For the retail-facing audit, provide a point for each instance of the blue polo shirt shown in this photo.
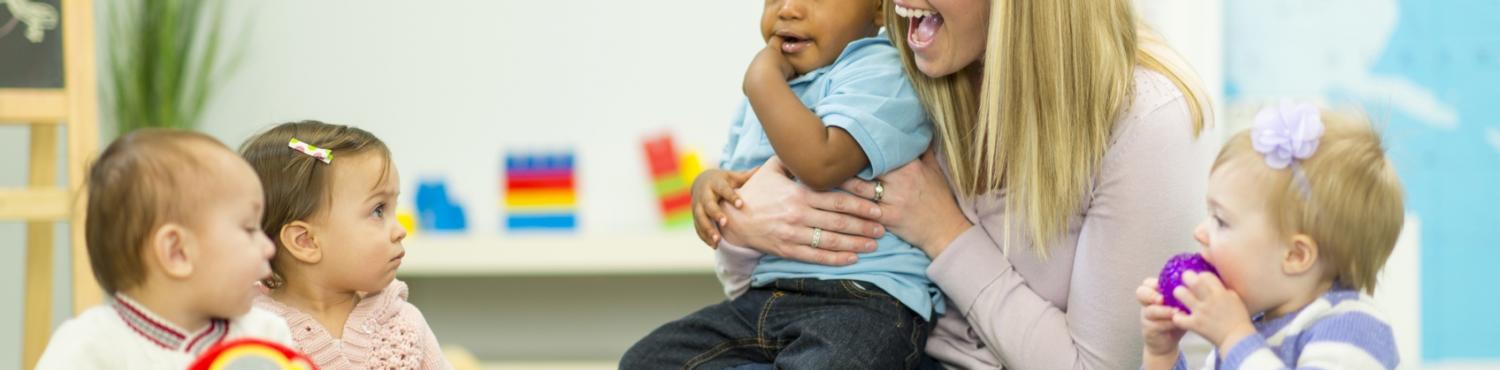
(866, 93)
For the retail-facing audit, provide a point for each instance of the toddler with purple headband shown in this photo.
(1304, 210)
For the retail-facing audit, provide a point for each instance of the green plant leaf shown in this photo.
(165, 59)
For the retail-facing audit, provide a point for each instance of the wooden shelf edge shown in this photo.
(33, 106)
(450, 256)
(35, 204)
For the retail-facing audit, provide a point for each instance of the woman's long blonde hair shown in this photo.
(1055, 76)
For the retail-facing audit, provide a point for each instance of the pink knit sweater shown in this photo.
(383, 332)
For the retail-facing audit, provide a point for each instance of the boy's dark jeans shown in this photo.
(794, 324)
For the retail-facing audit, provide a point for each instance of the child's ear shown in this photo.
(300, 243)
(173, 248)
(1301, 257)
(879, 14)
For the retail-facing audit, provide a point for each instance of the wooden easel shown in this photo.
(75, 108)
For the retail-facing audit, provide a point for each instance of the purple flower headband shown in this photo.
(1286, 134)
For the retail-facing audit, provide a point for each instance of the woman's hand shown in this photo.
(778, 217)
(917, 204)
(1219, 314)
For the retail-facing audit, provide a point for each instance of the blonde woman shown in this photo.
(1072, 148)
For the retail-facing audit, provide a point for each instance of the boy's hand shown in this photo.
(1160, 334)
(709, 189)
(769, 64)
(1218, 313)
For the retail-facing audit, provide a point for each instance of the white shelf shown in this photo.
(542, 255)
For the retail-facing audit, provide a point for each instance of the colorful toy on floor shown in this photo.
(1171, 276)
(436, 211)
(669, 182)
(251, 354)
(540, 192)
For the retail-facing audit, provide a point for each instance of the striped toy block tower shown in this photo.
(540, 192)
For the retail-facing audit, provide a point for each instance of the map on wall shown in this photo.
(30, 44)
(1428, 73)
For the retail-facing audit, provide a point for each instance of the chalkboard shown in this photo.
(30, 44)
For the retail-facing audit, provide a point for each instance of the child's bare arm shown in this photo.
(821, 157)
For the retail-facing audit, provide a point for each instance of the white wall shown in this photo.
(1195, 28)
(1399, 292)
(452, 85)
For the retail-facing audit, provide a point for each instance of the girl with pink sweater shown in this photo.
(330, 200)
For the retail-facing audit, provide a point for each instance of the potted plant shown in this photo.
(166, 58)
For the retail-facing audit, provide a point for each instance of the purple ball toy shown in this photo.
(1171, 276)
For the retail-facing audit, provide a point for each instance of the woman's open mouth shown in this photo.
(924, 26)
